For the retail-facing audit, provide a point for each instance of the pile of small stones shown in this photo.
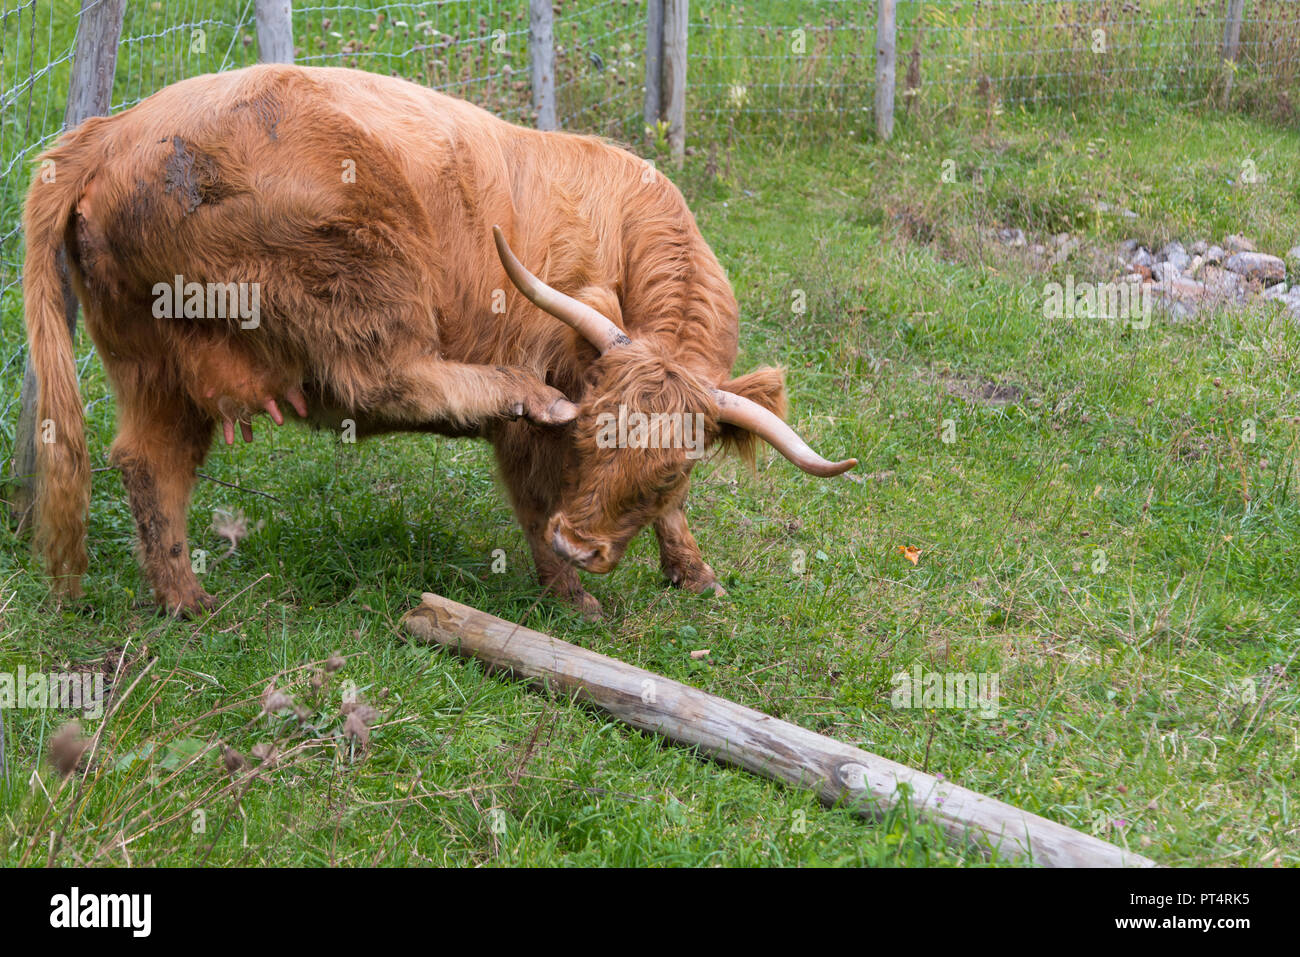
(1186, 279)
(1206, 274)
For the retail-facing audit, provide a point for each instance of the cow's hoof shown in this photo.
(567, 588)
(699, 580)
(588, 604)
(193, 604)
(585, 603)
(548, 407)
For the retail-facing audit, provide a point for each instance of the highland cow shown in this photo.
(361, 209)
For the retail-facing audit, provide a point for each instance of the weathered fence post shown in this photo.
(1231, 45)
(1232, 30)
(676, 27)
(886, 57)
(274, 30)
(654, 58)
(90, 93)
(541, 57)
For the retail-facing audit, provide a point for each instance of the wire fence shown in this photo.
(808, 64)
(35, 61)
(765, 67)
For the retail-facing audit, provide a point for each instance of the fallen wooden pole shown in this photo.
(767, 746)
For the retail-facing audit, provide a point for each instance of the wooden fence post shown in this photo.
(676, 27)
(654, 58)
(886, 58)
(1232, 30)
(1231, 46)
(274, 30)
(90, 93)
(541, 58)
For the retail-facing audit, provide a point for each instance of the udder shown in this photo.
(232, 386)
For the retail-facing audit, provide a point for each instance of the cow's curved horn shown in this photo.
(594, 327)
(737, 410)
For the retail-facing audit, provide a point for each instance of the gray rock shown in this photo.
(1294, 254)
(1260, 266)
(1278, 291)
(1142, 257)
(1166, 271)
(1129, 246)
(1175, 254)
(1237, 243)
(1129, 214)
(1012, 237)
(1215, 255)
(1200, 248)
(1179, 287)
(1179, 309)
(1220, 283)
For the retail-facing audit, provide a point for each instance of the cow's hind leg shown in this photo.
(425, 390)
(159, 445)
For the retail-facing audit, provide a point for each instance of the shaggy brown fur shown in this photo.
(362, 207)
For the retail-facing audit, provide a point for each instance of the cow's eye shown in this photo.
(667, 480)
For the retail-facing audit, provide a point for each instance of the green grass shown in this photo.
(1108, 542)
(1121, 710)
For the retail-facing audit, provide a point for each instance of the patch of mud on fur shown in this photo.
(192, 175)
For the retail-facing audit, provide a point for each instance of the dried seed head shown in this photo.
(233, 760)
(335, 662)
(266, 753)
(275, 701)
(363, 712)
(67, 748)
(354, 729)
(230, 525)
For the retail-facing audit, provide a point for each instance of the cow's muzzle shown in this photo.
(572, 548)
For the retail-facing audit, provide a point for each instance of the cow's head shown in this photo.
(645, 419)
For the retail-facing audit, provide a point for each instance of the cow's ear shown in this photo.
(765, 386)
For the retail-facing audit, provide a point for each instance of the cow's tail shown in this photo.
(62, 462)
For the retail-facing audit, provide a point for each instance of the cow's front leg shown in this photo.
(157, 449)
(679, 555)
(556, 576)
(531, 463)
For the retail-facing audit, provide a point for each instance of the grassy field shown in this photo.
(1106, 519)
(1122, 710)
